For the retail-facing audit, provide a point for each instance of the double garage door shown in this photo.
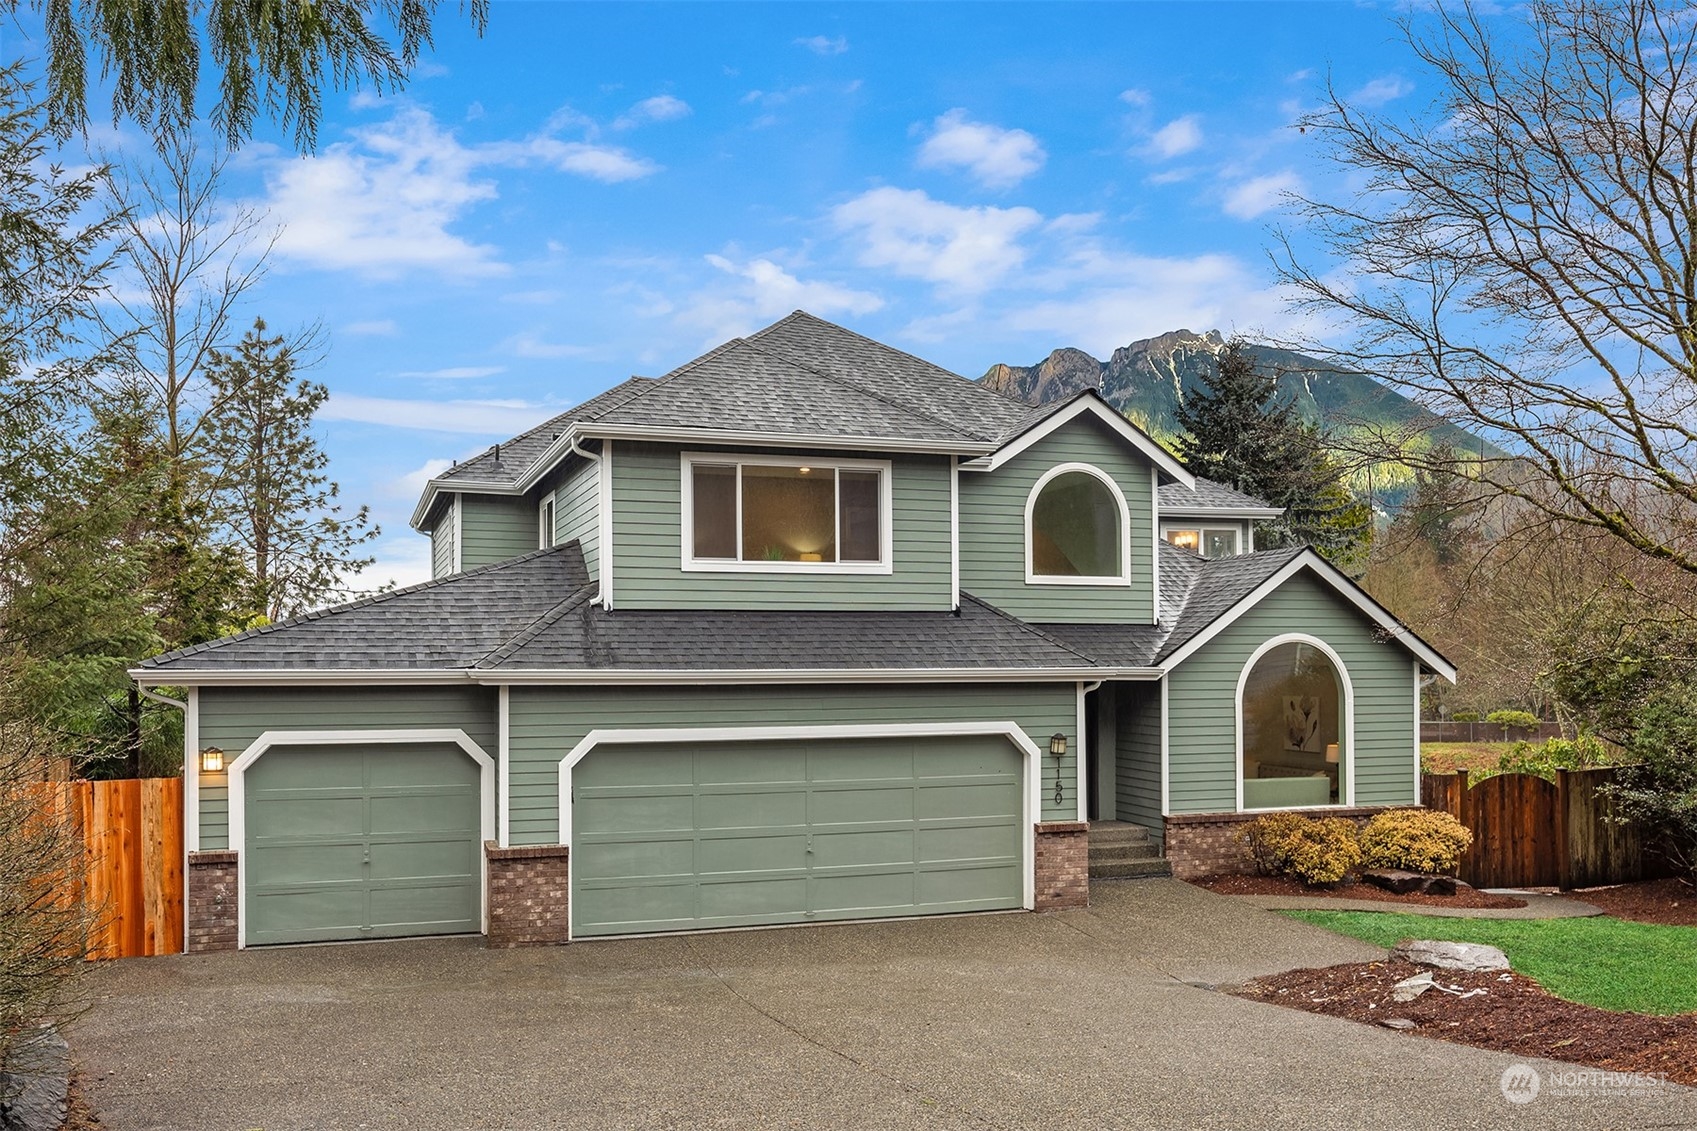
(384, 840)
(718, 834)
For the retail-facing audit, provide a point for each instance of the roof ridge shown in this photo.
(859, 388)
(642, 390)
(1029, 627)
(362, 602)
(799, 314)
(535, 628)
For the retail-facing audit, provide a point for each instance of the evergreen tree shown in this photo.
(1441, 509)
(1239, 431)
(276, 505)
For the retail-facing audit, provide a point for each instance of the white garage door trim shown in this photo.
(1032, 759)
(237, 792)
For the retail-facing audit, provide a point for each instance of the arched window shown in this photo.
(1293, 719)
(1076, 522)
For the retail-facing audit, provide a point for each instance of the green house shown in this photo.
(806, 630)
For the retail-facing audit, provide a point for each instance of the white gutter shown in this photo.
(629, 676)
(605, 551)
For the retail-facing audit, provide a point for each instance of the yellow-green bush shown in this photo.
(1417, 840)
(1289, 844)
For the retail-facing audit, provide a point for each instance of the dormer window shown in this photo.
(1077, 529)
(1207, 542)
(785, 514)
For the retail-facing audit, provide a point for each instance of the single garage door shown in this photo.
(362, 842)
(722, 834)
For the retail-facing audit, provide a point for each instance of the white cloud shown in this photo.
(374, 328)
(824, 45)
(382, 203)
(763, 291)
(455, 372)
(530, 344)
(660, 108)
(411, 485)
(402, 559)
(1135, 97)
(997, 157)
(963, 249)
(466, 418)
(1382, 90)
(1177, 137)
(608, 164)
(1253, 197)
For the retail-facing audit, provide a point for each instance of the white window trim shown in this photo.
(237, 793)
(1346, 727)
(1031, 757)
(545, 521)
(689, 563)
(1124, 575)
(459, 534)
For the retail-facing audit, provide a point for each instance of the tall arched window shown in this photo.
(1076, 523)
(1294, 723)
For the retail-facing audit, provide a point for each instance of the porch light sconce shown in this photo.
(1332, 753)
(1058, 747)
(212, 760)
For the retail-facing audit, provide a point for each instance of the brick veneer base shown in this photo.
(212, 902)
(529, 894)
(1206, 844)
(1063, 865)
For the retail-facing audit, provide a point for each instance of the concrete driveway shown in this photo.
(1080, 1019)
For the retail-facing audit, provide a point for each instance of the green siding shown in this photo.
(735, 834)
(497, 527)
(577, 511)
(231, 718)
(442, 544)
(992, 530)
(547, 722)
(1137, 738)
(1202, 697)
(648, 533)
(362, 842)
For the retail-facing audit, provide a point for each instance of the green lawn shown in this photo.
(1604, 962)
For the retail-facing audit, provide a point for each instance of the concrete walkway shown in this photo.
(1537, 906)
(1087, 1019)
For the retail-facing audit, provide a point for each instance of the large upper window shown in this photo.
(1208, 542)
(786, 514)
(1293, 720)
(1076, 529)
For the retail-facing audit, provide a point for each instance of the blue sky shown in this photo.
(595, 190)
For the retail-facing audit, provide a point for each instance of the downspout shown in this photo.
(595, 458)
(1080, 767)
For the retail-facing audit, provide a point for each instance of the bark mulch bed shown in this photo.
(1514, 1015)
(1282, 885)
(1668, 902)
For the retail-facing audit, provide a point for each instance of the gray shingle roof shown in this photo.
(1194, 594)
(741, 386)
(582, 636)
(505, 462)
(1176, 498)
(451, 622)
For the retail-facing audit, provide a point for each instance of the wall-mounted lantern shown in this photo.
(1058, 747)
(212, 760)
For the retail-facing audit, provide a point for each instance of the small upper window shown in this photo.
(1208, 543)
(780, 514)
(1077, 529)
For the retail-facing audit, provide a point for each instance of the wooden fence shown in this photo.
(1530, 832)
(132, 875)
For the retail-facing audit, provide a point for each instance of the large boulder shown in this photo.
(1395, 880)
(1451, 955)
(35, 1090)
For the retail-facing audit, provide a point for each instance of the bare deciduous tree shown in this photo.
(1522, 256)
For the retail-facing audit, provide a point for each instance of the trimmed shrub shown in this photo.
(1465, 717)
(1521, 720)
(1289, 844)
(1415, 840)
(1267, 839)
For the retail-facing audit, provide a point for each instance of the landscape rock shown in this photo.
(1451, 955)
(1395, 880)
(1410, 988)
(1442, 885)
(35, 1093)
(1402, 1024)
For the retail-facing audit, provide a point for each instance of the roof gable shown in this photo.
(1039, 424)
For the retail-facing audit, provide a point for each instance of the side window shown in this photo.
(545, 524)
(1076, 529)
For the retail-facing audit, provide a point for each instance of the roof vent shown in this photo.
(497, 450)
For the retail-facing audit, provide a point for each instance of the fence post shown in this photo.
(1564, 853)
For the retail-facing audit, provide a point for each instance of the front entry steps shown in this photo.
(1120, 850)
